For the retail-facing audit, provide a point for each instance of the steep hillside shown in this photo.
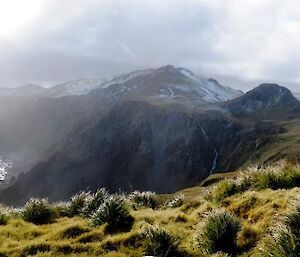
(35, 125)
(137, 145)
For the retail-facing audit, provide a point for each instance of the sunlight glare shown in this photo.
(14, 14)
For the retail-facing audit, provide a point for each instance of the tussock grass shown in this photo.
(77, 204)
(176, 202)
(230, 216)
(143, 199)
(93, 202)
(3, 219)
(160, 242)
(38, 211)
(219, 233)
(278, 178)
(115, 213)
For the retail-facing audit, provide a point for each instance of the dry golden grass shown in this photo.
(257, 210)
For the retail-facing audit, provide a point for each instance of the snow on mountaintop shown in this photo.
(169, 82)
(120, 79)
(25, 90)
(75, 87)
(215, 92)
(166, 82)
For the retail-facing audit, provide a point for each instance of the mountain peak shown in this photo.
(271, 93)
(167, 67)
(268, 99)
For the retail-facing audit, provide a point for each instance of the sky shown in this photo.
(241, 43)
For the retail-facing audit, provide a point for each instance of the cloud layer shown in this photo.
(250, 39)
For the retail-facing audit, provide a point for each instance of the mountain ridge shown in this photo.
(187, 80)
(142, 129)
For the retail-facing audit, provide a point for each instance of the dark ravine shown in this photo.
(123, 139)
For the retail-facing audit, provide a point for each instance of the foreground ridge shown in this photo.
(252, 212)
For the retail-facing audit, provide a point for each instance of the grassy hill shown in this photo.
(247, 213)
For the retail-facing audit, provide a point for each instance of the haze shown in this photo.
(51, 41)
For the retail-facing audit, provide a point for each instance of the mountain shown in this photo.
(165, 83)
(32, 124)
(74, 87)
(157, 129)
(172, 85)
(267, 101)
(25, 90)
(137, 145)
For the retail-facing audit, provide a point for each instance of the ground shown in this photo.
(258, 211)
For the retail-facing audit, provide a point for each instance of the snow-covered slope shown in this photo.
(166, 83)
(74, 87)
(26, 90)
(119, 79)
(215, 91)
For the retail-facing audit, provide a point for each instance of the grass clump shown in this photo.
(78, 203)
(143, 199)
(224, 189)
(115, 213)
(3, 218)
(228, 188)
(160, 242)
(280, 244)
(176, 202)
(285, 241)
(278, 178)
(35, 249)
(181, 218)
(94, 201)
(74, 231)
(248, 238)
(293, 222)
(219, 233)
(38, 211)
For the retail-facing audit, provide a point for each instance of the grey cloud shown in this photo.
(98, 38)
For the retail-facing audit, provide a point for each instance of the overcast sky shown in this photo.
(50, 41)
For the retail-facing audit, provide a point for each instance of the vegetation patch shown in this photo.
(35, 249)
(219, 233)
(90, 237)
(143, 199)
(3, 218)
(93, 202)
(176, 202)
(74, 231)
(38, 211)
(115, 213)
(278, 178)
(241, 223)
(160, 242)
(77, 204)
